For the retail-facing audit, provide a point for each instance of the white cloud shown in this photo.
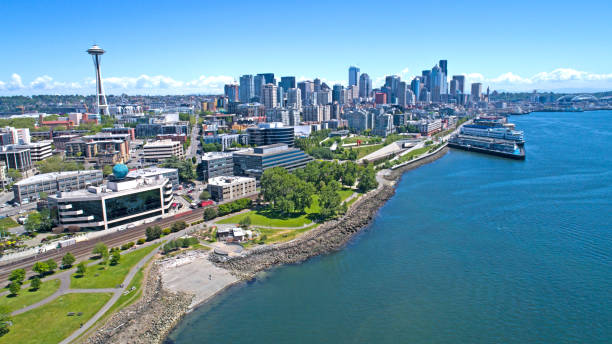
(405, 71)
(511, 78)
(15, 83)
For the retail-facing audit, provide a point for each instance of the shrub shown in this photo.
(35, 283)
(115, 258)
(68, 260)
(153, 233)
(81, 268)
(14, 288)
(141, 241)
(166, 231)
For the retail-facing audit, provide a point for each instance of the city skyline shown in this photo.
(185, 49)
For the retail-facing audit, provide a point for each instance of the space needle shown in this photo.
(96, 53)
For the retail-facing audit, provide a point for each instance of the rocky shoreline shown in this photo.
(151, 318)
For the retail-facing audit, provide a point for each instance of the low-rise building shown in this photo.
(226, 188)
(271, 133)
(254, 162)
(161, 150)
(215, 164)
(50, 183)
(40, 150)
(121, 202)
(16, 157)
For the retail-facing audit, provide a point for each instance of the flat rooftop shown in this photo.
(228, 180)
(53, 176)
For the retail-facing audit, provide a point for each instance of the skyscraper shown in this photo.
(454, 87)
(476, 91)
(269, 94)
(246, 88)
(415, 86)
(444, 67)
(337, 94)
(287, 82)
(353, 76)
(438, 84)
(402, 88)
(426, 76)
(392, 82)
(258, 83)
(307, 89)
(294, 98)
(365, 85)
(461, 83)
(268, 78)
(231, 92)
(317, 85)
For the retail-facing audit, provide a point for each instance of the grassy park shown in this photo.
(365, 150)
(8, 222)
(268, 218)
(103, 276)
(51, 323)
(28, 296)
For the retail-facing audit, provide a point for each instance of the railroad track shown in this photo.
(83, 249)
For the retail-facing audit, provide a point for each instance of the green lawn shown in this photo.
(268, 218)
(364, 139)
(28, 297)
(109, 276)
(8, 222)
(51, 323)
(363, 151)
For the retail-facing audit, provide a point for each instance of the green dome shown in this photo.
(120, 171)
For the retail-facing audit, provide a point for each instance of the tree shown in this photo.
(68, 260)
(209, 213)
(51, 264)
(153, 233)
(56, 164)
(14, 288)
(107, 170)
(5, 320)
(115, 258)
(204, 195)
(81, 268)
(39, 221)
(245, 222)
(17, 275)
(368, 180)
(40, 268)
(14, 174)
(178, 226)
(101, 250)
(35, 283)
(185, 168)
(329, 200)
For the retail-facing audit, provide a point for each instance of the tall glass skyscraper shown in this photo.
(247, 88)
(365, 86)
(353, 76)
(287, 82)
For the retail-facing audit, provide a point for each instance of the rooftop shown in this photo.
(161, 143)
(227, 180)
(52, 176)
(149, 171)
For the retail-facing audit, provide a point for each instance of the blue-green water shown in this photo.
(471, 249)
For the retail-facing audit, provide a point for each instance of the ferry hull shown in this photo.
(520, 156)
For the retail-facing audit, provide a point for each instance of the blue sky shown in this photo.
(165, 47)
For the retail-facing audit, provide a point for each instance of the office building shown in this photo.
(415, 86)
(258, 84)
(317, 84)
(157, 151)
(269, 94)
(306, 90)
(476, 92)
(380, 98)
(40, 150)
(145, 130)
(294, 98)
(231, 92)
(438, 84)
(10, 135)
(254, 163)
(287, 83)
(353, 77)
(278, 115)
(16, 157)
(121, 130)
(215, 164)
(247, 88)
(268, 78)
(224, 188)
(316, 113)
(365, 86)
(359, 120)
(383, 125)
(121, 202)
(323, 97)
(271, 133)
(460, 83)
(153, 172)
(50, 183)
(444, 67)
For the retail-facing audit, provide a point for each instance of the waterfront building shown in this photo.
(50, 183)
(287, 83)
(40, 150)
(365, 86)
(271, 133)
(161, 150)
(16, 157)
(254, 163)
(225, 188)
(247, 88)
(231, 92)
(215, 164)
(429, 127)
(122, 201)
(269, 94)
(353, 76)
